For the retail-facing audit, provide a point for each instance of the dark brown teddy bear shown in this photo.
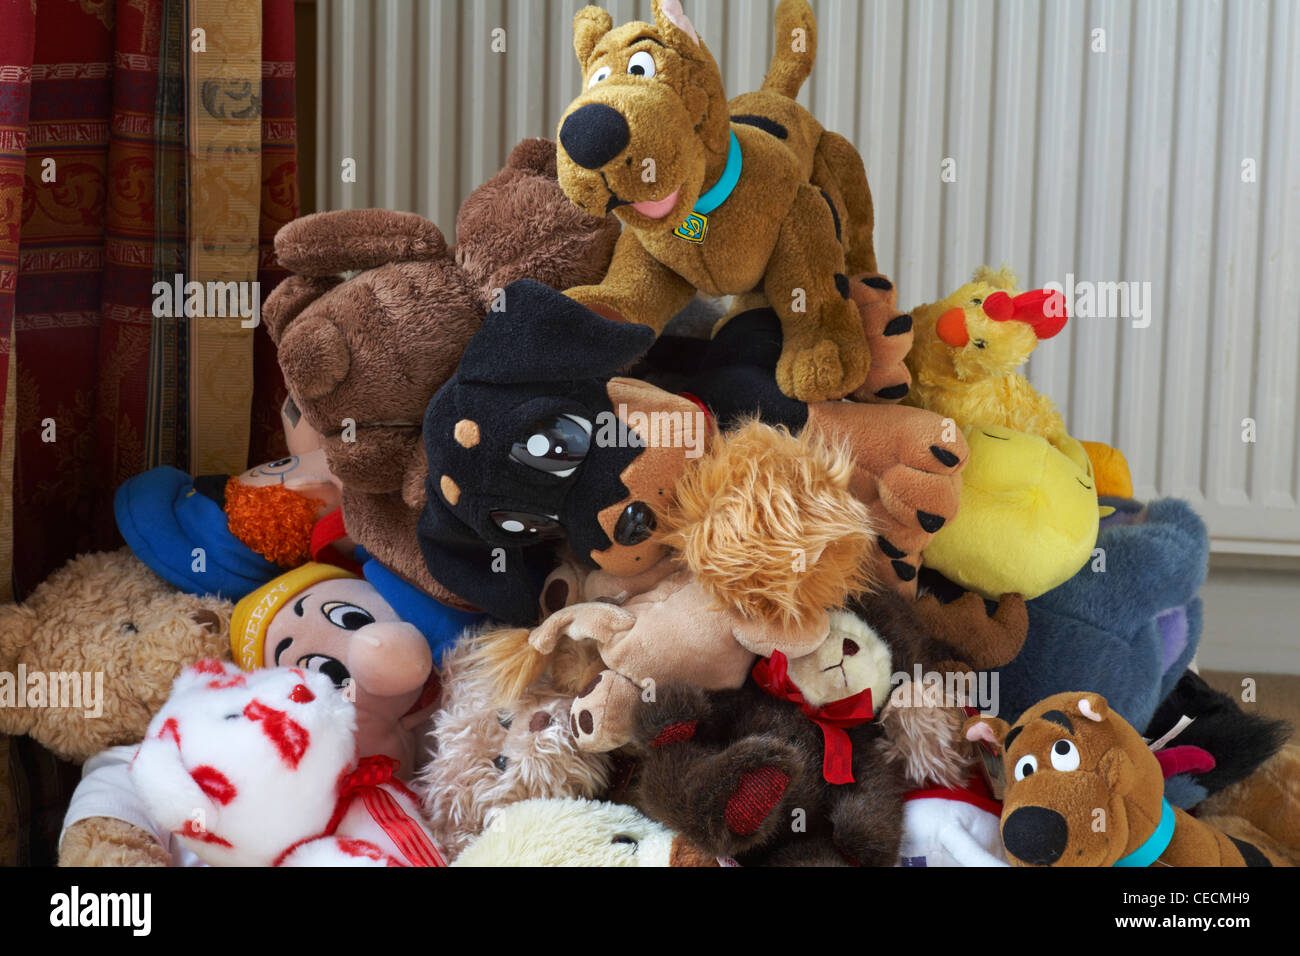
(362, 356)
(747, 774)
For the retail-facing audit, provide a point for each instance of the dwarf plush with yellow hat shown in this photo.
(351, 628)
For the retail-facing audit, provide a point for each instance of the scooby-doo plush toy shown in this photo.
(1084, 789)
(716, 196)
(362, 356)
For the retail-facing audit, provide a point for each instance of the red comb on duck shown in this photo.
(1041, 309)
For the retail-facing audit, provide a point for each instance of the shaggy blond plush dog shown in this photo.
(487, 754)
(766, 540)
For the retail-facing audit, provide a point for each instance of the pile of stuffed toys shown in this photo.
(548, 578)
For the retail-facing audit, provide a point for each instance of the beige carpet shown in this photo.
(1276, 695)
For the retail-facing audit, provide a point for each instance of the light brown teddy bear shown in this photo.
(85, 663)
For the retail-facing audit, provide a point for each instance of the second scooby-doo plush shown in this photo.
(1084, 789)
(723, 197)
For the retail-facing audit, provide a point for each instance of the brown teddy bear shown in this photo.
(361, 357)
(85, 663)
(786, 770)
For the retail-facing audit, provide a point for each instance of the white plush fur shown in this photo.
(461, 782)
(951, 833)
(828, 674)
(569, 833)
(275, 806)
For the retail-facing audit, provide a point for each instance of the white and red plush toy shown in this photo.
(952, 826)
(261, 769)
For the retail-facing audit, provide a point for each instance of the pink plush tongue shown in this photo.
(657, 208)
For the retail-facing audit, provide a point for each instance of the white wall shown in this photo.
(1122, 165)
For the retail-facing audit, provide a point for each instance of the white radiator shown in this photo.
(1162, 151)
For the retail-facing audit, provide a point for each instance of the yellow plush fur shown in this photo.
(977, 384)
(768, 526)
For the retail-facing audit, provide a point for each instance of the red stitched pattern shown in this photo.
(756, 794)
(214, 783)
(289, 737)
(675, 733)
(192, 830)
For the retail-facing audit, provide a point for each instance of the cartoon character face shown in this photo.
(343, 628)
(308, 474)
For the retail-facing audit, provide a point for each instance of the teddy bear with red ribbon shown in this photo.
(787, 769)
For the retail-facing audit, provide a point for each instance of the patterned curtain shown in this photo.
(139, 140)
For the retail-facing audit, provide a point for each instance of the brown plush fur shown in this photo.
(711, 741)
(797, 222)
(108, 614)
(766, 522)
(372, 350)
(1050, 814)
(1263, 809)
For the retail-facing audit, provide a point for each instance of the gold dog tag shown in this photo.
(693, 228)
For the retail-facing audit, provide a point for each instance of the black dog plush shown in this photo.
(529, 442)
(1239, 742)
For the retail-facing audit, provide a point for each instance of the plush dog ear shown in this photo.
(674, 25)
(327, 243)
(541, 335)
(987, 730)
(589, 25)
(1094, 707)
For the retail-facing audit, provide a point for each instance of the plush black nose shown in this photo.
(594, 134)
(635, 524)
(1035, 835)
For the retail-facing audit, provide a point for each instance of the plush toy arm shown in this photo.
(107, 841)
(986, 641)
(965, 849)
(637, 287)
(592, 621)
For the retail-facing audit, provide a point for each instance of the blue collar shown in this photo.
(720, 190)
(1156, 843)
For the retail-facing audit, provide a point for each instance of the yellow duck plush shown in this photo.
(965, 353)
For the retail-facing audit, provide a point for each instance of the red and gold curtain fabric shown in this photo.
(112, 122)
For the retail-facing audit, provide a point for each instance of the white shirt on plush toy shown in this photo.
(943, 827)
(260, 769)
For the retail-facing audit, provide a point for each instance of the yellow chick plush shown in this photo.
(1028, 516)
(966, 349)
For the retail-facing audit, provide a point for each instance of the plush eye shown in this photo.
(1025, 766)
(331, 667)
(130, 628)
(505, 720)
(624, 838)
(501, 762)
(526, 524)
(1065, 755)
(599, 76)
(281, 467)
(641, 64)
(556, 446)
(980, 343)
(347, 616)
(976, 301)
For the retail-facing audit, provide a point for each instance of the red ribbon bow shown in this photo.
(1041, 309)
(367, 783)
(837, 761)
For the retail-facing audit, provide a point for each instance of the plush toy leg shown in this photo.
(637, 287)
(339, 851)
(104, 841)
(909, 464)
(1263, 809)
(824, 352)
(837, 168)
(602, 714)
(889, 339)
(867, 819)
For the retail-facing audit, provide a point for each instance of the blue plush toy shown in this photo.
(1126, 632)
